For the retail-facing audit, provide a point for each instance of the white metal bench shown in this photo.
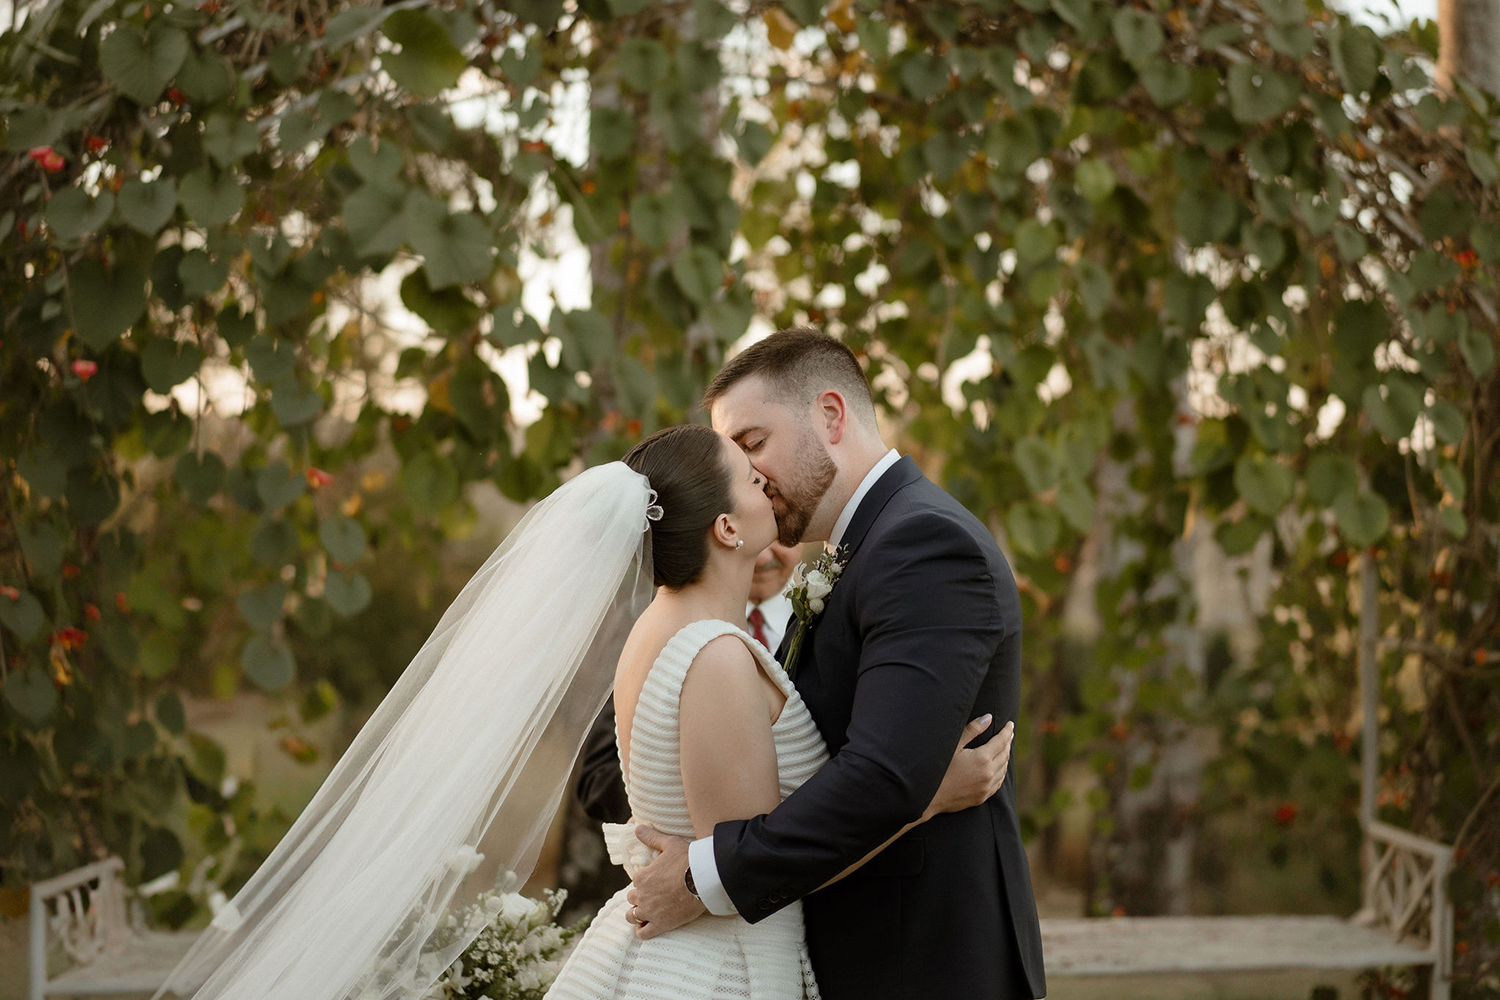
(1407, 921)
(85, 912)
(1406, 918)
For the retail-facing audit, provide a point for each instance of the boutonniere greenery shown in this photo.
(811, 586)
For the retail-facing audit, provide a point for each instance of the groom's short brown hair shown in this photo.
(801, 363)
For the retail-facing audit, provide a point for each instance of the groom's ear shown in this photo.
(833, 413)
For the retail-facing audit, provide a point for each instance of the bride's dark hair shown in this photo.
(687, 470)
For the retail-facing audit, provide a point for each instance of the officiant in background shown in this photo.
(585, 871)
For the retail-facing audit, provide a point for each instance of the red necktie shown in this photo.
(756, 632)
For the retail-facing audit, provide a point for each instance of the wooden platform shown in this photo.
(1113, 946)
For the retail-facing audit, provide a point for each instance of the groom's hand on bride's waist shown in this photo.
(659, 898)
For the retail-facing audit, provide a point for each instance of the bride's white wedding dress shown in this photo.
(712, 958)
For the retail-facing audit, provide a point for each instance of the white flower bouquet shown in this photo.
(515, 957)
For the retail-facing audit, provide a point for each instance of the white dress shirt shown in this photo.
(701, 852)
(777, 611)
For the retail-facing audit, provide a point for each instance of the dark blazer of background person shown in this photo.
(601, 785)
(921, 634)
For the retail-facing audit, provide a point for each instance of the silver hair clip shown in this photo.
(653, 509)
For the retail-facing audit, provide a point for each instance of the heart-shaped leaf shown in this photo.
(1166, 82)
(107, 302)
(1447, 422)
(1451, 517)
(1356, 57)
(23, 615)
(31, 695)
(1138, 34)
(347, 593)
(261, 606)
(277, 485)
(167, 363)
(455, 247)
(643, 63)
(268, 663)
(158, 654)
(294, 403)
(140, 63)
(147, 207)
(924, 75)
(1265, 483)
(343, 537)
(1075, 501)
(1330, 477)
(1258, 93)
(270, 359)
(234, 326)
(1095, 288)
(201, 274)
(92, 493)
(698, 272)
(428, 62)
(200, 476)
(1033, 527)
(72, 213)
(227, 137)
(211, 197)
(205, 77)
(1363, 517)
(1477, 345)
(1038, 464)
(274, 543)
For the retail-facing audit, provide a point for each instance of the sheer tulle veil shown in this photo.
(455, 778)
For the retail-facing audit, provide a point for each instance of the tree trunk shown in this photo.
(1469, 43)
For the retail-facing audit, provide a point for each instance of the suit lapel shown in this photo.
(905, 471)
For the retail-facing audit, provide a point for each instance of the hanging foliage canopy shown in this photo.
(1122, 275)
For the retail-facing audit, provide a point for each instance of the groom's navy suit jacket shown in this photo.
(921, 634)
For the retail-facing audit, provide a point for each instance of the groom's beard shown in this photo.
(795, 499)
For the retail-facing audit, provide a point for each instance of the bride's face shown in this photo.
(753, 516)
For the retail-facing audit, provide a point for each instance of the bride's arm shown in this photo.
(728, 752)
(972, 777)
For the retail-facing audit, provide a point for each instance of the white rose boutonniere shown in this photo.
(811, 586)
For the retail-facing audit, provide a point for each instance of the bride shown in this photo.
(455, 779)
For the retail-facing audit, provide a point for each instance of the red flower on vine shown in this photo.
(317, 478)
(1286, 813)
(84, 369)
(69, 639)
(95, 143)
(176, 96)
(91, 612)
(11, 592)
(49, 159)
(70, 571)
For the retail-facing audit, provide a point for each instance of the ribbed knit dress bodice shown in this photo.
(712, 958)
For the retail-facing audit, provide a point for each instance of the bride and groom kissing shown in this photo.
(847, 828)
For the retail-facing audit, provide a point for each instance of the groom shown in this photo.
(921, 633)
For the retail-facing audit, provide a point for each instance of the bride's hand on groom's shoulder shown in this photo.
(974, 774)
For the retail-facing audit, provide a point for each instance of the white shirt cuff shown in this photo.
(706, 877)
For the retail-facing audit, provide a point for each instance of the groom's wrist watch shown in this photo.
(687, 880)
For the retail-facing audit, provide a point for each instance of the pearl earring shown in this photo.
(739, 544)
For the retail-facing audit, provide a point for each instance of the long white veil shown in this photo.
(467, 755)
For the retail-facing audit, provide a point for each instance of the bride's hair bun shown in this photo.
(686, 467)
